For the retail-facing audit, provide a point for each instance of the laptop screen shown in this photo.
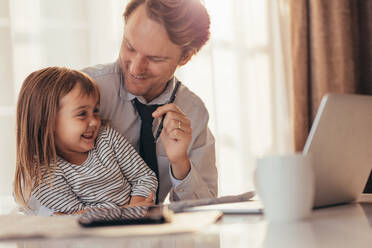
(340, 143)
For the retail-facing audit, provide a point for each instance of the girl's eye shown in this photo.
(82, 114)
(96, 110)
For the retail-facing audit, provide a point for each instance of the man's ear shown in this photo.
(185, 57)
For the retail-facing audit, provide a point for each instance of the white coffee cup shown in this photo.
(285, 184)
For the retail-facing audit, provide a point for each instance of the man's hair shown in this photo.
(186, 21)
(37, 109)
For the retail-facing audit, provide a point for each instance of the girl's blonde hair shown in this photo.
(37, 109)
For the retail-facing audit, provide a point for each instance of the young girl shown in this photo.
(66, 159)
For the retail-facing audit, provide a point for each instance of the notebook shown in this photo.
(222, 203)
(246, 207)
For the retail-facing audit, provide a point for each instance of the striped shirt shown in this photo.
(112, 173)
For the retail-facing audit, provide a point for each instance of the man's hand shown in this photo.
(175, 137)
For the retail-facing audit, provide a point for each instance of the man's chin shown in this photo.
(136, 91)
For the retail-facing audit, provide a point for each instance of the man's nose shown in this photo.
(138, 65)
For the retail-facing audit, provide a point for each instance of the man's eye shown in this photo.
(130, 48)
(156, 59)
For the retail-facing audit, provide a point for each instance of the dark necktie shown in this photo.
(147, 144)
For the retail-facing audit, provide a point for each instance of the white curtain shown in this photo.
(241, 74)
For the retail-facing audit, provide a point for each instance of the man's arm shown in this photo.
(193, 172)
(201, 181)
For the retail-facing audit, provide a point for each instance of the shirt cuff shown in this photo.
(175, 181)
(191, 187)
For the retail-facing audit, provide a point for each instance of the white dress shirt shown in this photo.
(116, 106)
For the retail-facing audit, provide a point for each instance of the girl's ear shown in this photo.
(185, 57)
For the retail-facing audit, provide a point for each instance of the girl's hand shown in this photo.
(141, 201)
(74, 213)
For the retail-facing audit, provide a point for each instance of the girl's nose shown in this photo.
(93, 121)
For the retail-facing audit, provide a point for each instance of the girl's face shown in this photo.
(77, 125)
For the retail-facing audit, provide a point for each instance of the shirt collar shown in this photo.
(163, 98)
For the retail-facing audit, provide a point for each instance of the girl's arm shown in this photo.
(134, 201)
(56, 194)
(135, 170)
(141, 201)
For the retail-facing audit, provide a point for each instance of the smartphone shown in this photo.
(137, 215)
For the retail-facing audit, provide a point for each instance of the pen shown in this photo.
(171, 99)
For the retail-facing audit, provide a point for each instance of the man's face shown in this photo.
(147, 57)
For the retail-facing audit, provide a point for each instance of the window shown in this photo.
(240, 76)
(239, 73)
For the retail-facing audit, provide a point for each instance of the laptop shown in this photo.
(340, 143)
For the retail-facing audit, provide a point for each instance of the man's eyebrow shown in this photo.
(148, 56)
(158, 57)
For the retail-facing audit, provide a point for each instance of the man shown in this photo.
(160, 36)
